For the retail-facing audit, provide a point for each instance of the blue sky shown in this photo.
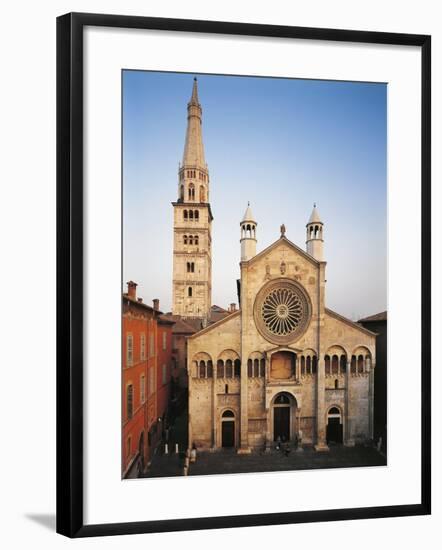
(281, 144)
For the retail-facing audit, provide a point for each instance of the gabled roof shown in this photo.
(349, 322)
(382, 316)
(289, 243)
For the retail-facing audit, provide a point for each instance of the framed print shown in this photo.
(243, 274)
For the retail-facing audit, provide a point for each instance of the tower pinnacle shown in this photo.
(194, 149)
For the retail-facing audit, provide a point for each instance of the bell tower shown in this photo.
(192, 223)
(315, 235)
(248, 235)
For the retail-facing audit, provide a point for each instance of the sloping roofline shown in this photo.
(349, 322)
(216, 324)
(290, 243)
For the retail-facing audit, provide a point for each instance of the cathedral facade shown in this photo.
(283, 367)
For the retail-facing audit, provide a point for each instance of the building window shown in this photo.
(190, 267)
(164, 373)
(164, 340)
(195, 239)
(143, 346)
(185, 214)
(142, 388)
(185, 239)
(189, 292)
(129, 349)
(151, 386)
(151, 344)
(130, 401)
(209, 369)
(196, 215)
(237, 368)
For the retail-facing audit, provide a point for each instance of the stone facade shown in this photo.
(283, 366)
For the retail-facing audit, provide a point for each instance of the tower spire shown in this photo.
(194, 149)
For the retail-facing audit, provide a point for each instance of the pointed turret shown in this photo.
(194, 149)
(248, 235)
(315, 240)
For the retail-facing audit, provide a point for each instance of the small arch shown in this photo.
(191, 192)
(229, 368)
(343, 364)
(209, 369)
(249, 368)
(263, 367)
(220, 368)
(202, 369)
(237, 368)
(228, 414)
(314, 364)
(353, 364)
(327, 364)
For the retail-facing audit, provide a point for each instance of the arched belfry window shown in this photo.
(190, 239)
(190, 214)
(195, 239)
(185, 239)
(185, 214)
(197, 214)
(191, 192)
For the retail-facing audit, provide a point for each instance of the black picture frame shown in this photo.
(70, 273)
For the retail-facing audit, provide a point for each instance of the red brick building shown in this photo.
(146, 368)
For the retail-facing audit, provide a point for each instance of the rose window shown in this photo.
(282, 311)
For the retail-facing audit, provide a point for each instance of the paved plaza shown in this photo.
(229, 462)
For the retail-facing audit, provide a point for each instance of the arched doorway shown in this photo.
(228, 429)
(334, 426)
(283, 406)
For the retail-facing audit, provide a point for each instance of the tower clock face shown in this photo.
(282, 311)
